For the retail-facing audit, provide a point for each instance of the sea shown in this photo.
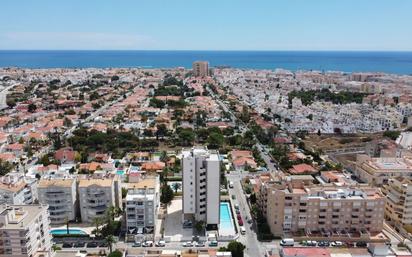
(354, 61)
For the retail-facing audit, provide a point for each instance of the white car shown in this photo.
(187, 244)
(147, 244)
(161, 243)
(337, 243)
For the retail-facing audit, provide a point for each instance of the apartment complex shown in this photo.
(24, 231)
(200, 68)
(60, 195)
(398, 209)
(15, 188)
(326, 209)
(142, 203)
(97, 195)
(378, 171)
(201, 185)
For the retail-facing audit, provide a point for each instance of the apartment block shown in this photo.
(200, 69)
(97, 195)
(398, 209)
(60, 195)
(378, 171)
(201, 185)
(325, 209)
(24, 231)
(15, 188)
(142, 204)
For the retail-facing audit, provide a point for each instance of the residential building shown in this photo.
(200, 69)
(291, 208)
(15, 188)
(201, 185)
(142, 204)
(97, 195)
(60, 195)
(398, 209)
(24, 231)
(378, 171)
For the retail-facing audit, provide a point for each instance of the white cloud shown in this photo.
(74, 41)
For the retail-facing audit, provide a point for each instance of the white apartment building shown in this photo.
(15, 188)
(398, 209)
(60, 196)
(24, 231)
(201, 185)
(200, 69)
(96, 196)
(142, 204)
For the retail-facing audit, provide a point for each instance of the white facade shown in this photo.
(201, 185)
(15, 188)
(142, 204)
(24, 231)
(96, 196)
(60, 196)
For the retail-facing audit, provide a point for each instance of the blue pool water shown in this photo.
(120, 172)
(226, 222)
(72, 231)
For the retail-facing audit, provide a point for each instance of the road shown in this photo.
(253, 246)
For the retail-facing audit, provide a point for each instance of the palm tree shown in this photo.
(97, 223)
(176, 186)
(110, 241)
(67, 224)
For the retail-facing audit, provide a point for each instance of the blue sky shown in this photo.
(207, 24)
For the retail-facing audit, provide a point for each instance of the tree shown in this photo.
(110, 241)
(97, 222)
(166, 194)
(116, 253)
(200, 225)
(176, 186)
(5, 167)
(392, 134)
(67, 122)
(31, 108)
(236, 248)
(215, 140)
(161, 131)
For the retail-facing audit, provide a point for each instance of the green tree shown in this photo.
(176, 187)
(110, 241)
(5, 167)
(236, 248)
(32, 107)
(392, 134)
(116, 253)
(215, 140)
(161, 131)
(166, 194)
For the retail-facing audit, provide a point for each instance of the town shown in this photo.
(208, 161)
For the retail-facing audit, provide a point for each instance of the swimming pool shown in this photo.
(72, 231)
(120, 172)
(226, 226)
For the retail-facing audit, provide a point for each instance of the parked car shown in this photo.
(213, 243)
(147, 244)
(161, 243)
(240, 221)
(200, 244)
(361, 244)
(323, 243)
(311, 243)
(236, 206)
(242, 230)
(187, 224)
(239, 217)
(287, 242)
(137, 244)
(187, 244)
(231, 184)
(336, 244)
(237, 211)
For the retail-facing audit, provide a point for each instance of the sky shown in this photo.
(374, 25)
